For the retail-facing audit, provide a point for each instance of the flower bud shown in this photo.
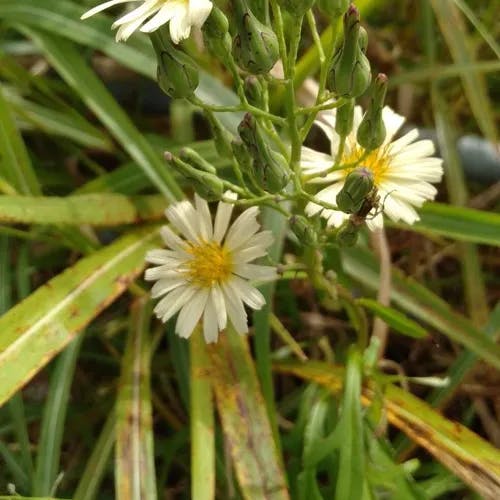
(344, 118)
(222, 136)
(333, 8)
(207, 185)
(371, 130)
(243, 157)
(270, 169)
(347, 235)
(303, 230)
(349, 75)
(254, 91)
(358, 185)
(255, 46)
(297, 8)
(216, 33)
(177, 73)
(191, 157)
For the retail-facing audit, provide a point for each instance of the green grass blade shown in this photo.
(76, 72)
(458, 223)
(466, 454)
(14, 467)
(15, 164)
(94, 209)
(452, 26)
(134, 460)
(95, 469)
(54, 415)
(201, 421)
(417, 300)
(244, 419)
(39, 327)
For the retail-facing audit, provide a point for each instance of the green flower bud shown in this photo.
(222, 136)
(243, 157)
(254, 91)
(363, 39)
(270, 168)
(349, 75)
(303, 230)
(216, 33)
(255, 46)
(344, 118)
(357, 186)
(177, 73)
(347, 235)
(371, 130)
(207, 185)
(191, 157)
(333, 8)
(297, 8)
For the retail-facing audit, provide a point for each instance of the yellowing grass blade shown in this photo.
(466, 454)
(134, 462)
(40, 326)
(243, 414)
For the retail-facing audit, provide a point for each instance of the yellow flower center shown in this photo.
(211, 263)
(377, 161)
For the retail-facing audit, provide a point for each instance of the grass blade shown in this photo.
(39, 327)
(244, 419)
(466, 454)
(134, 461)
(94, 209)
(54, 415)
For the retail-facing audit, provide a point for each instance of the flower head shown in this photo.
(206, 269)
(151, 14)
(402, 170)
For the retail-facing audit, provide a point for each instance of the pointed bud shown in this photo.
(177, 73)
(371, 131)
(333, 8)
(357, 186)
(216, 33)
(243, 157)
(255, 46)
(347, 235)
(207, 185)
(191, 157)
(297, 8)
(270, 168)
(254, 91)
(349, 75)
(303, 230)
(344, 118)
(222, 136)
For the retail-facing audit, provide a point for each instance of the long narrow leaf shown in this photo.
(39, 327)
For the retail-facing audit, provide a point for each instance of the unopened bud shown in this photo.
(216, 33)
(303, 230)
(194, 159)
(333, 8)
(242, 155)
(349, 75)
(347, 235)
(255, 46)
(270, 168)
(357, 186)
(207, 185)
(222, 136)
(371, 131)
(177, 73)
(344, 118)
(254, 91)
(297, 8)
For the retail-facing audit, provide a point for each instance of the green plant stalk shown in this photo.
(201, 420)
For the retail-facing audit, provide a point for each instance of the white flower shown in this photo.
(151, 14)
(402, 170)
(205, 271)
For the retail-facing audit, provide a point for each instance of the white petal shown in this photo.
(180, 27)
(170, 304)
(246, 292)
(263, 239)
(236, 311)
(399, 144)
(161, 272)
(243, 228)
(393, 122)
(104, 6)
(162, 17)
(191, 313)
(375, 223)
(217, 298)
(172, 240)
(210, 328)
(255, 272)
(184, 217)
(165, 285)
(140, 13)
(161, 256)
(222, 218)
(199, 10)
(205, 218)
(126, 30)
